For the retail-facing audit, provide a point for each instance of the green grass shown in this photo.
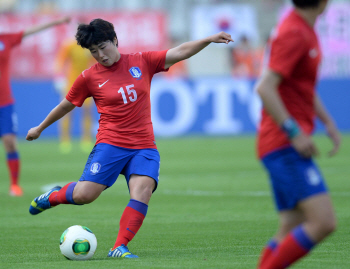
(212, 209)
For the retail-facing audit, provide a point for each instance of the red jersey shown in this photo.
(295, 55)
(7, 42)
(122, 96)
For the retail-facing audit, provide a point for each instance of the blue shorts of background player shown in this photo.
(8, 120)
(293, 177)
(106, 162)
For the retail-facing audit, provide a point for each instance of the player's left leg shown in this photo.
(13, 163)
(289, 219)
(142, 176)
(141, 188)
(319, 223)
(8, 129)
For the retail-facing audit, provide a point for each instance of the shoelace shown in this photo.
(43, 195)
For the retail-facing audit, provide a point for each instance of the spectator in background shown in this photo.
(285, 147)
(246, 60)
(8, 121)
(71, 61)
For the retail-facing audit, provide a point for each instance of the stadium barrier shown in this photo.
(202, 106)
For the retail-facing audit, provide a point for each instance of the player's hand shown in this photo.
(221, 37)
(334, 135)
(33, 134)
(304, 145)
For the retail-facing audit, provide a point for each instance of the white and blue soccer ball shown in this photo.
(78, 243)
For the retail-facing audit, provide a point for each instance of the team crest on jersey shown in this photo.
(2, 46)
(135, 72)
(95, 168)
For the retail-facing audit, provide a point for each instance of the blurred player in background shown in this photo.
(120, 85)
(287, 89)
(71, 60)
(8, 119)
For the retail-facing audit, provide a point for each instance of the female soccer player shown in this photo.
(8, 122)
(120, 86)
(287, 89)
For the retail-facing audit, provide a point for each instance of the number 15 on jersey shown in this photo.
(131, 93)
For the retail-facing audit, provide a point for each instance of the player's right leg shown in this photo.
(41, 203)
(83, 192)
(320, 216)
(76, 193)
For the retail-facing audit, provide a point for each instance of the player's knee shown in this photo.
(10, 144)
(329, 226)
(325, 226)
(144, 191)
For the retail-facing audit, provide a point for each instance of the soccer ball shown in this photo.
(78, 243)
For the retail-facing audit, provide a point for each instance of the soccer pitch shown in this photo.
(212, 208)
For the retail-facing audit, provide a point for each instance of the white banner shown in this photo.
(236, 19)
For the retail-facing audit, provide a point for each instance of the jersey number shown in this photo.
(131, 93)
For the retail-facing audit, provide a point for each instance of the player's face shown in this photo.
(106, 53)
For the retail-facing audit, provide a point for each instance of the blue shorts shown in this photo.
(106, 162)
(8, 120)
(293, 177)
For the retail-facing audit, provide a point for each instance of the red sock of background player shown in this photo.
(13, 164)
(63, 196)
(130, 222)
(267, 251)
(296, 245)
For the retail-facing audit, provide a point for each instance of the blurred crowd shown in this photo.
(242, 59)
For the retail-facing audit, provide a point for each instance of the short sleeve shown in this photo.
(79, 91)
(155, 60)
(286, 51)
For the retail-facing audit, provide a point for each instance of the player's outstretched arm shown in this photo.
(41, 27)
(58, 112)
(329, 124)
(188, 49)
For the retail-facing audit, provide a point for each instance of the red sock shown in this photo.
(13, 164)
(130, 222)
(63, 196)
(296, 245)
(267, 251)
